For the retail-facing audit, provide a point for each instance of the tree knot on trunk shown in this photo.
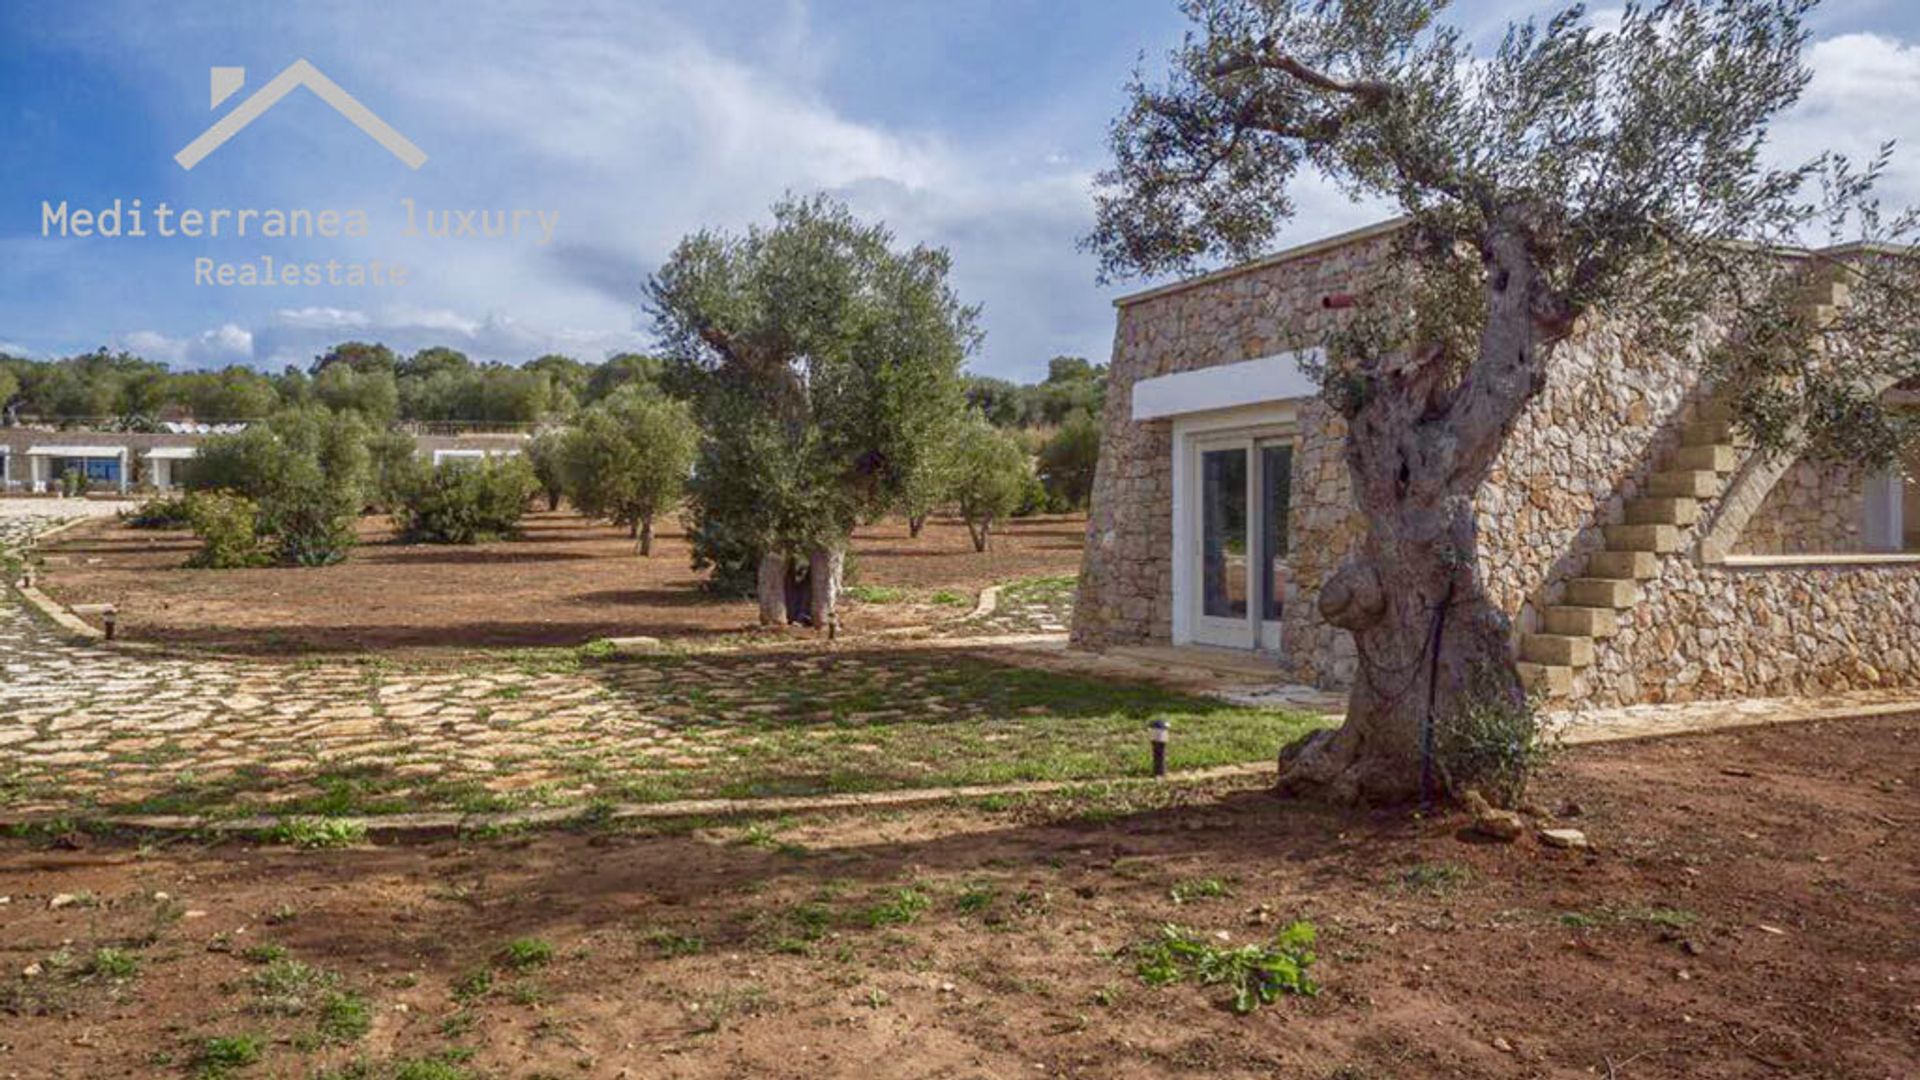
(1352, 598)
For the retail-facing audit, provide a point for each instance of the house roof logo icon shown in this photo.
(224, 82)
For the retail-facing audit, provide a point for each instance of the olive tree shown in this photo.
(992, 472)
(627, 459)
(1565, 175)
(822, 360)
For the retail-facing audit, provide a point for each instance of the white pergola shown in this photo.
(160, 461)
(40, 462)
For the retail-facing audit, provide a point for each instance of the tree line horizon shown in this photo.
(124, 391)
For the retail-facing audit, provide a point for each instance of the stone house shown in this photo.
(1641, 554)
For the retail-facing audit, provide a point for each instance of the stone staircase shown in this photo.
(1657, 523)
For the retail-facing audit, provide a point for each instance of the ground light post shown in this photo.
(1157, 731)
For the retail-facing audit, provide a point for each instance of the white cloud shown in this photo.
(1865, 91)
(297, 336)
(321, 318)
(224, 344)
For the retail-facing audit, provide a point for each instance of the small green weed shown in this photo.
(1256, 974)
(316, 832)
(477, 984)
(668, 943)
(975, 899)
(1434, 879)
(902, 908)
(111, 963)
(344, 1017)
(523, 953)
(220, 1055)
(286, 987)
(1186, 892)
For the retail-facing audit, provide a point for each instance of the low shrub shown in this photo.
(1256, 974)
(467, 503)
(228, 526)
(163, 512)
(1493, 743)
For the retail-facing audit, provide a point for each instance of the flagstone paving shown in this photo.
(86, 726)
(1031, 606)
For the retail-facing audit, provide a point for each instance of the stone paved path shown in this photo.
(1031, 606)
(87, 727)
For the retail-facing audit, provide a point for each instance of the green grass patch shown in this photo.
(521, 954)
(219, 1056)
(1192, 889)
(901, 907)
(316, 832)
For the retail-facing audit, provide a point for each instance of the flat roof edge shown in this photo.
(1285, 255)
(1383, 228)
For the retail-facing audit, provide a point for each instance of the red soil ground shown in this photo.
(566, 581)
(1747, 910)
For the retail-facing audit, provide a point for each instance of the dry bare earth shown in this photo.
(565, 582)
(1748, 911)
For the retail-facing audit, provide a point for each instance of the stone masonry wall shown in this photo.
(1608, 417)
(1126, 584)
(1814, 508)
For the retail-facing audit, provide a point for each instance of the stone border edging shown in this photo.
(989, 602)
(451, 821)
(59, 615)
(46, 605)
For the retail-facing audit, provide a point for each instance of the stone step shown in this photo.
(1659, 539)
(1662, 510)
(1719, 458)
(1715, 410)
(1623, 565)
(1592, 622)
(1685, 483)
(1558, 650)
(1615, 593)
(1549, 679)
(1707, 433)
(1826, 289)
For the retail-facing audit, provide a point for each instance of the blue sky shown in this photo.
(974, 124)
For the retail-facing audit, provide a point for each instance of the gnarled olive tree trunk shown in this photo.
(1429, 639)
(801, 591)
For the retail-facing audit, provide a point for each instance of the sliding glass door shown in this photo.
(1239, 540)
